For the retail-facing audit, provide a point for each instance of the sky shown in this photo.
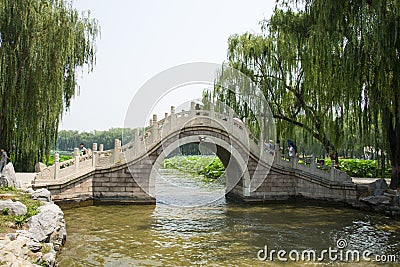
(140, 39)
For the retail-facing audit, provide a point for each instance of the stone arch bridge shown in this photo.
(126, 174)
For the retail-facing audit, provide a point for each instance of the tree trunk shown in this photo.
(394, 142)
(395, 181)
(332, 152)
(393, 135)
(334, 157)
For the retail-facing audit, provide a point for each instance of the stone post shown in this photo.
(172, 119)
(76, 158)
(230, 120)
(295, 161)
(278, 155)
(154, 129)
(261, 143)
(136, 142)
(192, 109)
(94, 147)
(212, 111)
(165, 115)
(117, 150)
(313, 165)
(333, 171)
(56, 165)
(101, 147)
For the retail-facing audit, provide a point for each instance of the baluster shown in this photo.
(76, 159)
(117, 150)
(333, 171)
(56, 165)
(192, 109)
(172, 119)
(94, 155)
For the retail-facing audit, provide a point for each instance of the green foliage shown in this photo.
(5, 211)
(360, 168)
(62, 158)
(214, 169)
(7, 189)
(331, 69)
(209, 166)
(43, 45)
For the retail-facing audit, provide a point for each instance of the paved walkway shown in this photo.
(367, 180)
(24, 178)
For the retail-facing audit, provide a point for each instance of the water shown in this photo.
(177, 232)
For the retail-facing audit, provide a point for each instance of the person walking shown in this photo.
(83, 149)
(3, 160)
(292, 151)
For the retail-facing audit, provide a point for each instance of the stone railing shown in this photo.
(331, 175)
(144, 140)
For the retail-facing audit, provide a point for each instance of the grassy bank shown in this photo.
(9, 223)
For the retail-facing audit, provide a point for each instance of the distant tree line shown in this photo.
(69, 139)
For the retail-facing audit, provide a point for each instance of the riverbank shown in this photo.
(32, 230)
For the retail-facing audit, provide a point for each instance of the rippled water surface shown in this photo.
(177, 231)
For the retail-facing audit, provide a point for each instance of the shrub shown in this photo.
(361, 168)
(208, 166)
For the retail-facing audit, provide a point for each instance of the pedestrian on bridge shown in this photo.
(292, 150)
(83, 149)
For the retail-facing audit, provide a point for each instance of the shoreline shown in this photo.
(41, 240)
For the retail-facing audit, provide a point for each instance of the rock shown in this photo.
(11, 236)
(3, 181)
(378, 187)
(34, 246)
(375, 200)
(29, 190)
(50, 258)
(42, 194)
(39, 166)
(13, 208)
(48, 225)
(396, 200)
(26, 246)
(9, 174)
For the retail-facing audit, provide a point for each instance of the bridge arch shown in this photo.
(237, 173)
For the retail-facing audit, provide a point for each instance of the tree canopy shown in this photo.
(331, 68)
(43, 44)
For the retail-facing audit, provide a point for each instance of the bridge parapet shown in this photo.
(330, 175)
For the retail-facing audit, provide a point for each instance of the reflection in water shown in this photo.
(217, 234)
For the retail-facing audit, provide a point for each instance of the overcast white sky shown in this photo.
(142, 38)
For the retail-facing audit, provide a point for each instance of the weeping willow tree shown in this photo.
(279, 62)
(367, 34)
(43, 43)
(331, 68)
